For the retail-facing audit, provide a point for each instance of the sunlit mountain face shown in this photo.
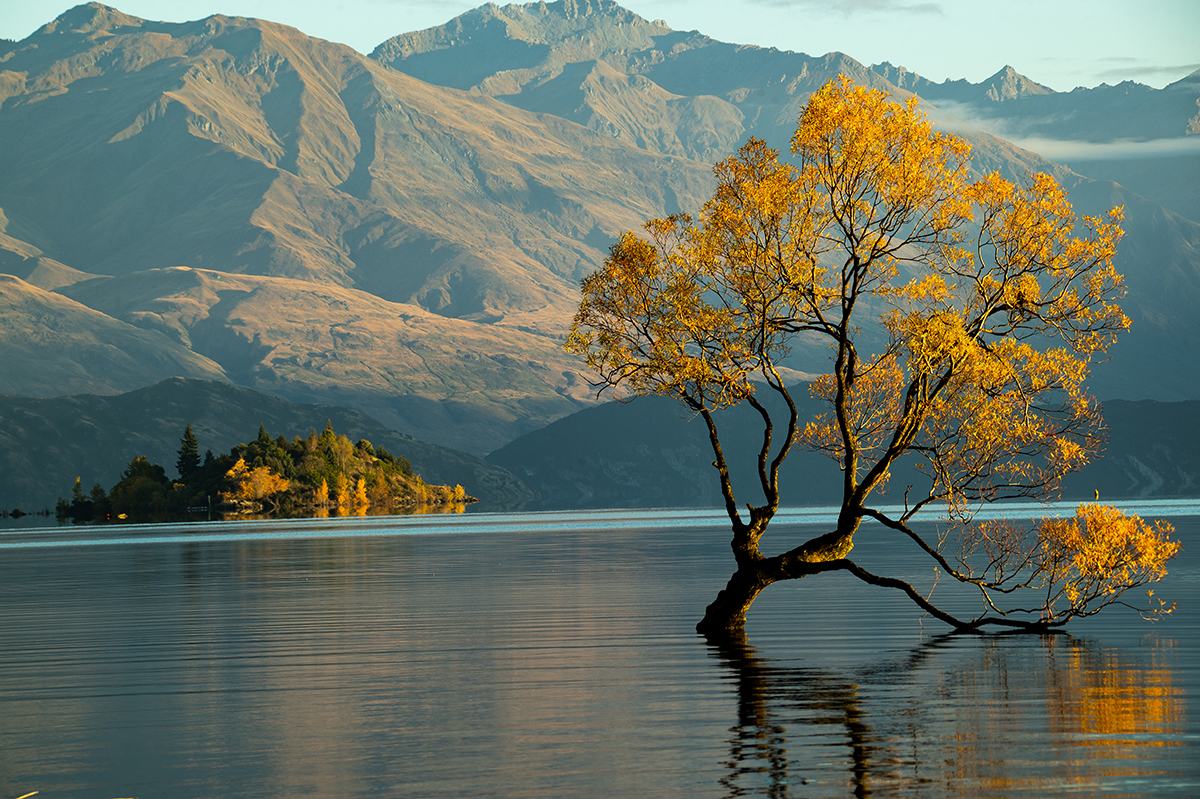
(405, 233)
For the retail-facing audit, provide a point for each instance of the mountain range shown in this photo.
(403, 233)
(663, 458)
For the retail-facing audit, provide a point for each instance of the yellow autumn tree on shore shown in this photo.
(254, 484)
(960, 316)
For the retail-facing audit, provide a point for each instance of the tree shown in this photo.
(960, 319)
(255, 484)
(189, 454)
(144, 491)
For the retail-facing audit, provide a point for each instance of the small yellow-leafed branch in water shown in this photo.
(1088, 562)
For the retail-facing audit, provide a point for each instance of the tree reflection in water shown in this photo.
(958, 715)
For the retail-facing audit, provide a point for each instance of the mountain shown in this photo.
(441, 378)
(685, 94)
(245, 147)
(639, 82)
(404, 233)
(52, 344)
(650, 452)
(661, 458)
(46, 443)
(248, 147)
(1023, 108)
(1142, 137)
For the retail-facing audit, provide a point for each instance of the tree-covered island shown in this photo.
(323, 474)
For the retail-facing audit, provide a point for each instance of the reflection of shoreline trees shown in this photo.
(952, 715)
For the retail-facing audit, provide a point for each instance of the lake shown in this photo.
(553, 655)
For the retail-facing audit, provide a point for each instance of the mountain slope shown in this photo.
(52, 344)
(471, 385)
(601, 65)
(245, 146)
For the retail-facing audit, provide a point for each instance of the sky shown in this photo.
(1059, 43)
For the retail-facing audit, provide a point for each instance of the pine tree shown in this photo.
(189, 454)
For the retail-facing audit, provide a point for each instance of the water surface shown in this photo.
(546, 655)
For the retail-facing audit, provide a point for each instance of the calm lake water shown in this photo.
(553, 655)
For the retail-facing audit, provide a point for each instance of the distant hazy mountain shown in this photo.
(404, 234)
(1142, 137)
(46, 443)
(1105, 113)
(651, 452)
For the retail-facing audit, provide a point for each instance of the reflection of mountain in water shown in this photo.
(1035, 716)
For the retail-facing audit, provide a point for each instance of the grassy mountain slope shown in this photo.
(52, 344)
(245, 146)
(472, 385)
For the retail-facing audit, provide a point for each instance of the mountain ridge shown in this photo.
(430, 238)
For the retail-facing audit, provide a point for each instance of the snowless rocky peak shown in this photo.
(1008, 84)
(89, 18)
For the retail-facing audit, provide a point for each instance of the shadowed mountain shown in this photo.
(650, 452)
(46, 443)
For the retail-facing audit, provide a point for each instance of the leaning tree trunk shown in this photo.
(725, 617)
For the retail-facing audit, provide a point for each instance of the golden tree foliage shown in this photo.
(255, 484)
(981, 301)
(1088, 562)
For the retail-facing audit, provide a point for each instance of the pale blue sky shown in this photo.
(1060, 43)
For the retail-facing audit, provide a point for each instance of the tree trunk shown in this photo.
(725, 617)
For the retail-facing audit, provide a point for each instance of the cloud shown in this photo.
(1127, 73)
(1120, 150)
(851, 7)
(962, 119)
